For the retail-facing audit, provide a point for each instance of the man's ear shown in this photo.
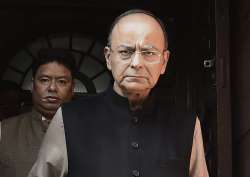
(107, 57)
(166, 55)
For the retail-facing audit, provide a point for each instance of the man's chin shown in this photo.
(48, 113)
(51, 107)
(135, 87)
(48, 110)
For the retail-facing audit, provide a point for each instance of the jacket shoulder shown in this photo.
(14, 122)
(16, 128)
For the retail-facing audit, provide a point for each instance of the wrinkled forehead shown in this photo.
(138, 29)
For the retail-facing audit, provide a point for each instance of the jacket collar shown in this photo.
(121, 102)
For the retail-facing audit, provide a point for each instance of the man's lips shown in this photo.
(51, 99)
(143, 77)
(135, 78)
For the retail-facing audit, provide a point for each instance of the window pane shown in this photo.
(59, 41)
(102, 82)
(77, 56)
(27, 83)
(37, 45)
(81, 43)
(21, 61)
(12, 76)
(79, 87)
(90, 67)
(97, 51)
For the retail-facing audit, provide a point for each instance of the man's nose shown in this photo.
(136, 60)
(52, 86)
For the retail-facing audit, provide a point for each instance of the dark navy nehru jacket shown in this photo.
(105, 139)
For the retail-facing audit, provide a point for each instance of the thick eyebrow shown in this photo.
(125, 46)
(132, 47)
(147, 47)
(64, 77)
(58, 77)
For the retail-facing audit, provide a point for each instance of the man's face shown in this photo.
(136, 33)
(52, 86)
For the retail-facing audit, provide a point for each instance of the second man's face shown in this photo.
(136, 33)
(52, 86)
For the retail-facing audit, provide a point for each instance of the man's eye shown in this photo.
(44, 80)
(62, 82)
(149, 53)
(125, 52)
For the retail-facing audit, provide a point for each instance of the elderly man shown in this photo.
(22, 135)
(125, 131)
